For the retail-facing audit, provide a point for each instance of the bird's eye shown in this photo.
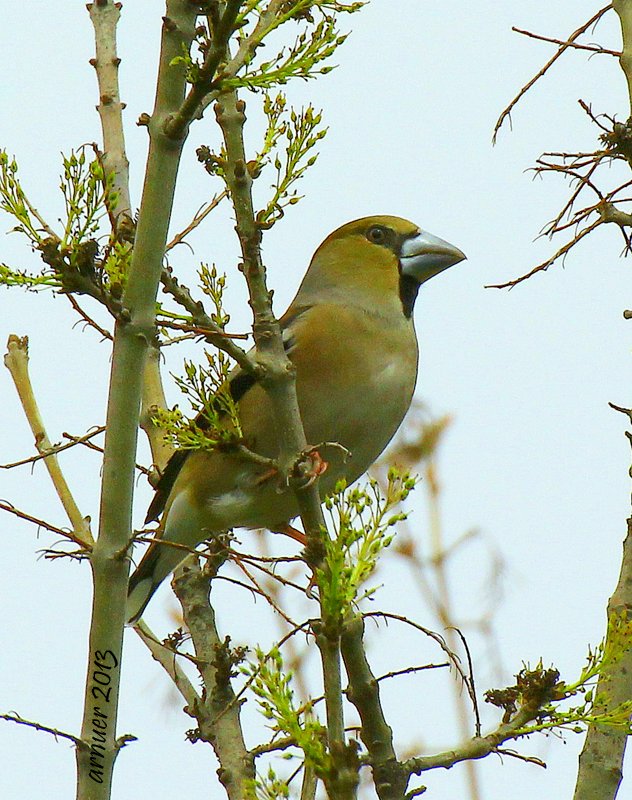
(376, 234)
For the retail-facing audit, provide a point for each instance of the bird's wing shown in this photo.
(239, 382)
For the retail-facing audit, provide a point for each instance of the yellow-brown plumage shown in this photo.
(350, 334)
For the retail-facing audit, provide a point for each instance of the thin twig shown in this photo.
(88, 319)
(57, 448)
(39, 522)
(411, 670)
(592, 48)
(471, 686)
(254, 561)
(546, 264)
(562, 49)
(12, 716)
(273, 747)
(198, 330)
(263, 593)
(454, 659)
(200, 215)
(501, 751)
(92, 446)
(594, 118)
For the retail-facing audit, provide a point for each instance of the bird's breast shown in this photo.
(357, 392)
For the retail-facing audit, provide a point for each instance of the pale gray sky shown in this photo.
(535, 459)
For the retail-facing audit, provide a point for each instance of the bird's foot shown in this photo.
(308, 467)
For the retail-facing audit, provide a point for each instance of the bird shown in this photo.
(350, 335)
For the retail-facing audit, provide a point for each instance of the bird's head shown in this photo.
(378, 260)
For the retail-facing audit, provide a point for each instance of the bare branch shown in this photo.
(274, 746)
(257, 587)
(39, 522)
(470, 685)
(198, 330)
(88, 319)
(546, 264)
(591, 48)
(57, 448)
(454, 659)
(502, 751)
(105, 17)
(167, 659)
(16, 360)
(197, 219)
(562, 49)
(475, 748)
(396, 673)
(14, 717)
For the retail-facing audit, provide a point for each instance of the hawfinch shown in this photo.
(349, 333)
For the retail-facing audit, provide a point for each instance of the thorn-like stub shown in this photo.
(169, 24)
(144, 120)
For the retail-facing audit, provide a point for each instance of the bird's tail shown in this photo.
(182, 526)
(142, 584)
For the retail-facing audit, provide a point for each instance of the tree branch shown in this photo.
(105, 17)
(217, 713)
(601, 761)
(167, 659)
(13, 717)
(591, 48)
(623, 9)
(478, 747)
(57, 448)
(179, 122)
(279, 381)
(39, 522)
(87, 319)
(133, 335)
(153, 396)
(389, 775)
(561, 50)
(199, 217)
(16, 360)
(212, 333)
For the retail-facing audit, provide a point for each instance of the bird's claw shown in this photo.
(308, 467)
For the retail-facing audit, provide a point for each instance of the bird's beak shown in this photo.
(424, 255)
